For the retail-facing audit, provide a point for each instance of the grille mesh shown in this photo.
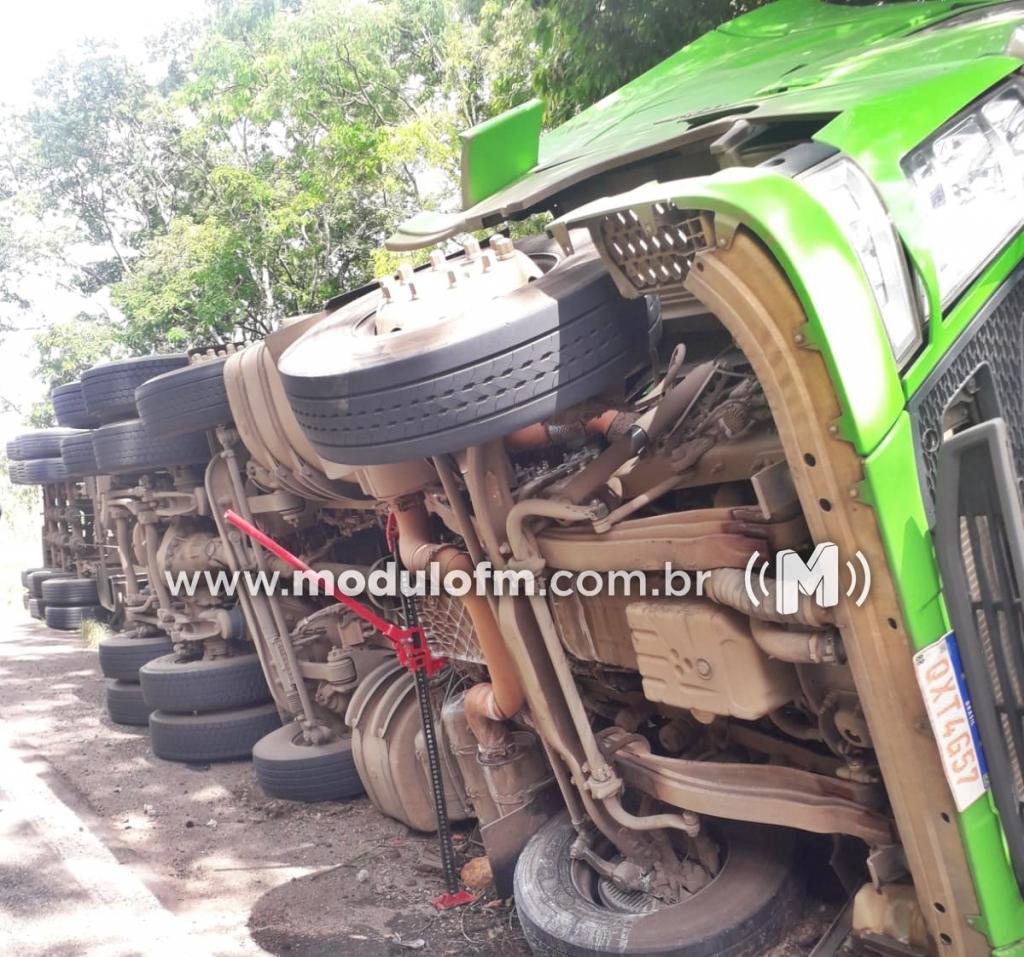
(994, 341)
(655, 247)
(982, 379)
(448, 629)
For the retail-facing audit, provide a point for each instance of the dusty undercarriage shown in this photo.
(691, 729)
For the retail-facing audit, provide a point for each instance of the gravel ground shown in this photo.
(239, 873)
(233, 866)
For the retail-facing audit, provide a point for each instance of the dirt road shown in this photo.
(111, 852)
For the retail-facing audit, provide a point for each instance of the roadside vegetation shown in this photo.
(253, 165)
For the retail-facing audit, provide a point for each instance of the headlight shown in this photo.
(846, 192)
(969, 181)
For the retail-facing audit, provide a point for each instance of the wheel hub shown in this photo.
(452, 287)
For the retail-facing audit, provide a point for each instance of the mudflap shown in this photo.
(505, 838)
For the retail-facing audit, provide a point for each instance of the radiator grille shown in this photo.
(969, 427)
(992, 349)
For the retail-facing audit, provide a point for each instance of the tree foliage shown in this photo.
(586, 49)
(253, 168)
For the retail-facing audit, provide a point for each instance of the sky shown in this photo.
(33, 33)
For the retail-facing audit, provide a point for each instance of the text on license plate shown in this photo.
(952, 719)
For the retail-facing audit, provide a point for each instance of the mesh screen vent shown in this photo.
(655, 249)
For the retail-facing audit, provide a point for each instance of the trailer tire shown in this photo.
(109, 388)
(296, 772)
(35, 579)
(202, 687)
(127, 448)
(43, 471)
(202, 738)
(121, 656)
(69, 407)
(72, 617)
(193, 399)
(42, 443)
(70, 591)
(125, 704)
(31, 571)
(78, 455)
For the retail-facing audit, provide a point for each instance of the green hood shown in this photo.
(793, 59)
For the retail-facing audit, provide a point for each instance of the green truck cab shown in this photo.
(839, 188)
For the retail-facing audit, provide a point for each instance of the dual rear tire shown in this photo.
(121, 656)
(207, 710)
(69, 602)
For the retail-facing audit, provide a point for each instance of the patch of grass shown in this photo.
(93, 632)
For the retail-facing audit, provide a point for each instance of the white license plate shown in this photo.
(952, 718)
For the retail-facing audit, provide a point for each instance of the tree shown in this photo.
(66, 350)
(253, 169)
(582, 50)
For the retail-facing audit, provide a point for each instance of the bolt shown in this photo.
(704, 667)
(502, 247)
(405, 272)
(437, 259)
(471, 248)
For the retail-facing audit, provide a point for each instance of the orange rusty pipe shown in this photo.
(503, 697)
(485, 720)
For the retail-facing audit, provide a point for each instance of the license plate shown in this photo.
(952, 718)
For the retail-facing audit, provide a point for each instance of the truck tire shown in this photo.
(192, 399)
(12, 450)
(121, 656)
(43, 471)
(72, 617)
(364, 399)
(31, 571)
(70, 591)
(69, 407)
(34, 580)
(109, 388)
(125, 704)
(202, 738)
(201, 687)
(78, 455)
(742, 912)
(42, 443)
(292, 771)
(36, 608)
(125, 448)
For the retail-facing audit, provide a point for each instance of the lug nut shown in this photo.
(502, 247)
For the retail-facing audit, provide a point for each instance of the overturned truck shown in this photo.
(750, 370)
(748, 337)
